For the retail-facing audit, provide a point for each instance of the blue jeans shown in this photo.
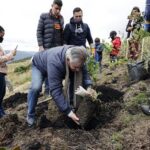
(36, 85)
(2, 92)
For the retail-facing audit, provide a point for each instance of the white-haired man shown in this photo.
(57, 64)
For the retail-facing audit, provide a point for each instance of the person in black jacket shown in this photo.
(50, 30)
(50, 27)
(76, 32)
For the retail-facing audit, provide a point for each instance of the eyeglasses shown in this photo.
(78, 16)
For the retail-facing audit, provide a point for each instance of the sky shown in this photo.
(20, 18)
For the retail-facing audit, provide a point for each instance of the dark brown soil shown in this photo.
(105, 124)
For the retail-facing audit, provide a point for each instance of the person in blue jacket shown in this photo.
(53, 63)
(99, 47)
(147, 16)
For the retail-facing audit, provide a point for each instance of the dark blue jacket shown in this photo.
(147, 11)
(52, 63)
(73, 36)
(50, 30)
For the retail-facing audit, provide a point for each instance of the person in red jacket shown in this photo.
(116, 44)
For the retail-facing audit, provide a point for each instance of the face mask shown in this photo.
(77, 20)
(1, 39)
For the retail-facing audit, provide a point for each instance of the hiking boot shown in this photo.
(145, 109)
(30, 121)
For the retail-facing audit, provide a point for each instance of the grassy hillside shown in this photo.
(19, 74)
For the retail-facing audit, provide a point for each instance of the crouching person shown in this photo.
(57, 64)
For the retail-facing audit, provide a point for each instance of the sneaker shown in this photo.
(30, 121)
(145, 109)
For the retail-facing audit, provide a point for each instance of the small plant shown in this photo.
(127, 119)
(117, 139)
(107, 47)
(93, 68)
(141, 98)
(22, 69)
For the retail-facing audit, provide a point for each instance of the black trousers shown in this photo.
(2, 88)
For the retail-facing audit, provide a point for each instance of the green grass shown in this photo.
(21, 69)
(117, 140)
(141, 98)
(19, 72)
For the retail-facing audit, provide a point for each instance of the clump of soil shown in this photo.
(15, 100)
(8, 127)
(109, 94)
(85, 111)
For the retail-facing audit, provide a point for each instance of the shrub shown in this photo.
(22, 69)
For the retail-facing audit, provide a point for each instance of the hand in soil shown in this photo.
(73, 116)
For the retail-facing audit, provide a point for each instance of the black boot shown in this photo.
(146, 109)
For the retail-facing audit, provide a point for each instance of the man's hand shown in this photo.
(41, 48)
(73, 116)
(9, 56)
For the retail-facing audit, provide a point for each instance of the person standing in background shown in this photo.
(133, 33)
(116, 45)
(3, 70)
(99, 47)
(50, 30)
(77, 32)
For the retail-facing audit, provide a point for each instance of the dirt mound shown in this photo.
(106, 125)
(15, 100)
(8, 127)
(109, 94)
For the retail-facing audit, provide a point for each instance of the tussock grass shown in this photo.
(19, 78)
